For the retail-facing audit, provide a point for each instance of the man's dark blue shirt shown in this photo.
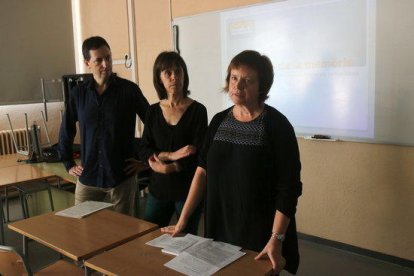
(107, 129)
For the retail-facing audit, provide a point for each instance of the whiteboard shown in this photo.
(358, 88)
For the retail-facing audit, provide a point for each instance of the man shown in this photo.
(105, 107)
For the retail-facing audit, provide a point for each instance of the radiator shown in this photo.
(6, 140)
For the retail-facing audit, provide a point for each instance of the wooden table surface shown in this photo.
(21, 173)
(137, 258)
(80, 239)
(57, 169)
(8, 160)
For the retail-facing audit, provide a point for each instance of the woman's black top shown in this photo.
(160, 136)
(253, 169)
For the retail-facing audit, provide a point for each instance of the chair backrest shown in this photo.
(12, 262)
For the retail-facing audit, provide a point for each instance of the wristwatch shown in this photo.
(279, 237)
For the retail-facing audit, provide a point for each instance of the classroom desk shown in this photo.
(14, 170)
(8, 160)
(80, 239)
(10, 164)
(21, 173)
(137, 258)
(57, 169)
(15, 174)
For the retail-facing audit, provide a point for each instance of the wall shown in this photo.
(153, 36)
(31, 48)
(94, 15)
(356, 193)
(359, 194)
(35, 41)
(107, 18)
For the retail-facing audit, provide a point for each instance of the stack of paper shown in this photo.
(175, 246)
(83, 209)
(197, 255)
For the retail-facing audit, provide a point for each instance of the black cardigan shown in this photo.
(280, 140)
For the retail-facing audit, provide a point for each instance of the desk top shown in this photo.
(137, 258)
(57, 169)
(8, 160)
(21, 173)
(83, 238)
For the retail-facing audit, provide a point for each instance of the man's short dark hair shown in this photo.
(93, 43)
(167, 60)
(260, 63)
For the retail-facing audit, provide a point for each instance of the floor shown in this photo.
(316, 259)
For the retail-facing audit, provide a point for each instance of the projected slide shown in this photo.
(323, 54)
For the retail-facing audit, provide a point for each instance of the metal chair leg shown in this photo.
(49, 190)
(25, 247)
(2, 238)
(26, 205)
(136, 204)
(6, 200)
(3, 216)
(22, 203)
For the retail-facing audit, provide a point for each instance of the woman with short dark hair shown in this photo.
(249, 170)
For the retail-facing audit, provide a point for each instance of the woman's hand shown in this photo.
(183, 152)
(178, 154)
(156, 164)
(273, 251)
(76, 170)
(174, 230)
(135, 166)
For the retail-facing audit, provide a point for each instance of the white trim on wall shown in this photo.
(77, 36)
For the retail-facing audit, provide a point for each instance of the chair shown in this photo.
(26, 189)
(6, 217)
(2, 220)
(143, 179)
(5, 198)
(13, 263)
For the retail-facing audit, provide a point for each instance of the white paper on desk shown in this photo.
(179, 244)
(83, 209)
(228, 246)
(190, 265)
(205, 258)
(161, 241)
(174, 245)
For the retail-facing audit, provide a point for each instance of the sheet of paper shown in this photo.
(180, 244)
(228, 246)
(205, 258)
(175, 245)
(216, 253)
(161, 242)
(190, 265)
(83, 209)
